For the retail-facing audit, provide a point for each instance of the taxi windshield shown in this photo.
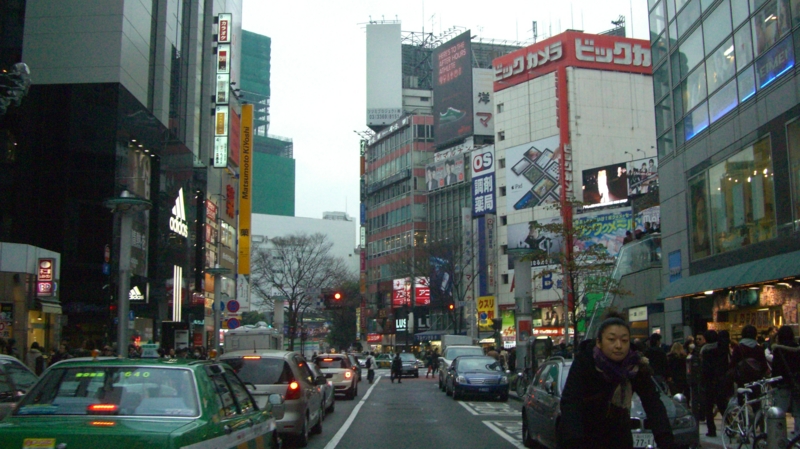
(125, 390)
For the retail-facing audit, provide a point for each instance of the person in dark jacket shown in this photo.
(695, 376)
(657, 359)
(397, 369)
(715, 355)
(596, 402)
(748, 348)
(676, 370)
(786, 363)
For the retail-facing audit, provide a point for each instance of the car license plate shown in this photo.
(483, 390)
(643, 440)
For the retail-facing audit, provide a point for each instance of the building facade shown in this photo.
(122, 117)
(726, 104)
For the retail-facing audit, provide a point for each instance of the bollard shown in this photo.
(776, 428)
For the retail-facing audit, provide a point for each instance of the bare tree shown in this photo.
(584, 272)
(294, 268)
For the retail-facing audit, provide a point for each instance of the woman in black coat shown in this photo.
(786, 363)
(596, 402)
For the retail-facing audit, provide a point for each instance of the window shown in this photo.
(694, 88)
(770, 24)
(739, 12)
(501, 135)
(663, 116)
(722, 102)
(717, 26)
(688, 16)
(691, 53)
(500, 108)
(720, 66)
(744, 47)
(793, 144)
(699, 245)
(741, 198)
(424, 98)
(661, 81)
(747, 84)
(503, 220)
(504, 279)
(696, 121)
(503, 191)
(502, 163)
(657, 21)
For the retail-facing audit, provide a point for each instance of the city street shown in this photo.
(416, 414)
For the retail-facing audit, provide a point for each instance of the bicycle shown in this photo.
(519, 382)
(743, 428)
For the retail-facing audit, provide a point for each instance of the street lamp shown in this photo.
(125, 206)
(217, 271)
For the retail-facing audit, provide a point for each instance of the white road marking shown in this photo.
(336, 438)
(489, 408)
(505, 436)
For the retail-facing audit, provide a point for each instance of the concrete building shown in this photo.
(726, 106)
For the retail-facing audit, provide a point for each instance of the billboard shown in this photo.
(445, 173)
(245, 189)
(642, 176)
(483, 185)
(486, 309)
(572, 49)
(482, 101)
(452, 89)
(532, 174)
(384, 74)
(605, 186)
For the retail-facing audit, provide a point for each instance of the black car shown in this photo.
(476, 375)
(541, 411)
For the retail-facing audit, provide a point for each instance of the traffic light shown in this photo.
(332, 298)
(337, 296)
(451, 307)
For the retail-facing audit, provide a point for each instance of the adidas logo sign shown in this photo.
(135, 294)
(177, 222)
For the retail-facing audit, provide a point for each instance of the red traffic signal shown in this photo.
(451, 306)
(337, 296)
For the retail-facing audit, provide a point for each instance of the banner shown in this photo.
(245, 188)
(485, 312)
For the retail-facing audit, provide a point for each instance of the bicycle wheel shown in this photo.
(794, 443)
(522, 385)
(733, 429)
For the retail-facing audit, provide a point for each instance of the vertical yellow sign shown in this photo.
(485, 312)
(245, 188)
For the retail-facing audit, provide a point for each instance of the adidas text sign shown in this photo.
(177, 222)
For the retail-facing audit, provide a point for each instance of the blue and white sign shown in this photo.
(774, 63)
(483, 182)
(674, 265)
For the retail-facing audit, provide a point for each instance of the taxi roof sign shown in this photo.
(150, 351)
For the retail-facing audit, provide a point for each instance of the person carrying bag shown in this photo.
(786, 363)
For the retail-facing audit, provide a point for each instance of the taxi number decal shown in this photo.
(137, 374)
(95, 374)
(39, 443)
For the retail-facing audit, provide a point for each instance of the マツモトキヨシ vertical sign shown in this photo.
(245, 188)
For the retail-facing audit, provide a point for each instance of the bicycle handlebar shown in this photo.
(762, 382)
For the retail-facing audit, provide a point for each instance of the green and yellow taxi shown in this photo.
(140, 403)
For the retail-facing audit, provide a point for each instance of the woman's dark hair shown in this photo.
(711, 336)
(749, 331)
(786, 336)
(612, 318)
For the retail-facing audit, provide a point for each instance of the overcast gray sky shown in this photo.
(318, 76)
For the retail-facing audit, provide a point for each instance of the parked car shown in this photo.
(355, 364)
(451, 353)
(410, 367)
(477, 375)
(338, 370)
(383, 361)
(287, 373)
(15, 380)
(125, 403)
(328, 392)
(541, 411)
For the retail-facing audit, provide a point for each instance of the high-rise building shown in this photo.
(273, 162)
(113, 112)
(726, 107)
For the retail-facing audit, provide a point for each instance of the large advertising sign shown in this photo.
(400, 293)
(452, 89)
(486, 310)
(384, 74)
(642, 176)
(482, 102)
(532, 174)
(509, 329)
(445, 173)
(422, 291)
(574, 49)
(775, 62)
(605, 186)
(483, 182)
(245, 189)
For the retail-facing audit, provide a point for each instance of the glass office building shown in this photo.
(727, 103)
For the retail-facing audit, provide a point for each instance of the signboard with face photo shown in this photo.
(642, 176)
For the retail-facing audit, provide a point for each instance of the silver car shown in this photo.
(328, 392)
(15, 380)
(287, 373)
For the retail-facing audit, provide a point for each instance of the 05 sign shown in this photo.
(482, 162)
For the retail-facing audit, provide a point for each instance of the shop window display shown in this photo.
(741, 198)
(793, 143)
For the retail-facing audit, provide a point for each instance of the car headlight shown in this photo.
(683, 422)
(461, 379)
(504, 380)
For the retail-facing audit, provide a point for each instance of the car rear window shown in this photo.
(132, 391)
(407, 357)
(455, 352)
(261, 371)
(479, 364)
(20, 376)
(331, 362)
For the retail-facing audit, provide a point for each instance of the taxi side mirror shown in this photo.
(320, 380)
(276, 406)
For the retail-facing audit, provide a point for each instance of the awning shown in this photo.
(49, 306)
(430, 335)
(755, 272)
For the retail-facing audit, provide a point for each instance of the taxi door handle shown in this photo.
(227, 429)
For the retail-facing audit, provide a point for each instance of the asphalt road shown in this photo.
(416, 414)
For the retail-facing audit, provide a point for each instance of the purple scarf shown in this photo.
(617, 372)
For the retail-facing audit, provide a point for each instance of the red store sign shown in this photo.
(46, 270)
(211, 211)
(230, 204)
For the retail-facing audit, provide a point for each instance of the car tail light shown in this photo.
(252, 357)
(327, 360)
(293, 391)
(348, 374)
(102, 409)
